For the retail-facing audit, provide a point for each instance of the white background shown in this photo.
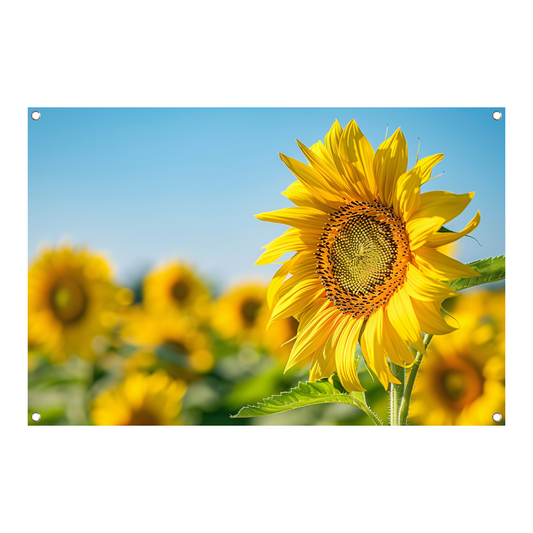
(255, 479)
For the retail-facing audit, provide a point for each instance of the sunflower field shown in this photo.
(172, 351)
(370, 321)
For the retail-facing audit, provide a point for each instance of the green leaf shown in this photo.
(325, 390)
(491, 270)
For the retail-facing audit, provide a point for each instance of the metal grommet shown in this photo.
(497, 115)
(35, 115)
(497, 417)
(35, 417)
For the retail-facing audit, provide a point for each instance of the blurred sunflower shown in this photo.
(175, 287)
(71, 300)
(366, 268)
(141, 360)
(141, 400)
(242, 313)
(461, 380)
(172, 332)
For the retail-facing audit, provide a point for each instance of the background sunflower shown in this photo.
(176, 288)
(141, 400)
(71, 300)
(462, 380)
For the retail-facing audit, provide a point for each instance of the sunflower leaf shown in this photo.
(491, 270)
(444, 230)
(325, 390)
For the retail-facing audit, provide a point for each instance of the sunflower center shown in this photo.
(180, 290)
(143, 418)
(250, 311)
(363, 254)
(177, 346)
(454, 384)
(459, 383)
(68, 301)
(362, 257)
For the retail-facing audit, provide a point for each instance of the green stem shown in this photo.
(404, 409)
(373, 416)
(396, 394)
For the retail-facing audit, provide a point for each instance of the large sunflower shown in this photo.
(366, 268)
(70, 300)
(461, 381)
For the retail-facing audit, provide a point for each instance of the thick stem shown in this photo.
(396, 394)
(404, 408)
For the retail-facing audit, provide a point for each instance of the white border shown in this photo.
(276, 54)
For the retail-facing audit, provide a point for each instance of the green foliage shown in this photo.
(491, 270)
(325, 390)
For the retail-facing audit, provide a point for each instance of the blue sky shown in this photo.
(149, 185)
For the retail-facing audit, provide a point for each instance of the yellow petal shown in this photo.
(442, 204)
(323, 361)
(365, 155)
(345, 355)
(313, 335)
(322, 364)
(440, 239)
(403, 318)
(426, 165)
(396, 348)
(390, 162)
(356, 156)
(296, 298)
(329, 174)
(317, 306)
(299, 195)
(421, 229)
(279, 278)
(407, 194)
(422, 287)
(313, 181)
(431, 319)
(304, 218)
(305, 267)
(293, 240)
(441, 266)
(372, 345)
(321, 151)
(331, 143)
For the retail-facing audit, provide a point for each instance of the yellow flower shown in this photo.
(150, 331)
(461, 380)
(242, 313)
(141, 360)
(175, 287)
(366, 268)
(141, 400)
(71, 300)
